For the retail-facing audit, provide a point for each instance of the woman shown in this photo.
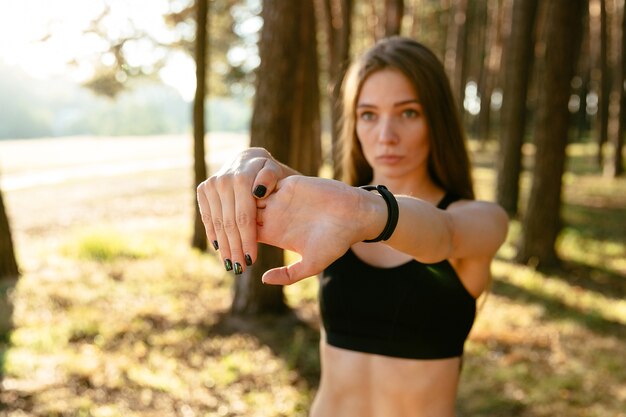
(395, 314)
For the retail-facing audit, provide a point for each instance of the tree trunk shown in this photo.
(336, 16)
(305, 153)
(199, 239)
(394, 11)
(517, 68)
(615, 166)
(581, 89)
(491, 66)
(286, 122)
(541, 224)
(8, 274)
(455, 50)
(603, 99)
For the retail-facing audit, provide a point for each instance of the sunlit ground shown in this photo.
(117, 316)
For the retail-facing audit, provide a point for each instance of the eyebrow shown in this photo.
(398, 104)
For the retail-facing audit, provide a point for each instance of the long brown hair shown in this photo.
(448, 161)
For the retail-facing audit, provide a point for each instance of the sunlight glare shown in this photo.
(69, 52)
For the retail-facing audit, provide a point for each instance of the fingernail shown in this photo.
(259, 191)
(228, 264)
(215, 245)
(248, 259)
(238, 269)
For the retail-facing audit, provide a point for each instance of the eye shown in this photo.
(367, 115)
(410, 114)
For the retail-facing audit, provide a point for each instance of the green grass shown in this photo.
(124, 319)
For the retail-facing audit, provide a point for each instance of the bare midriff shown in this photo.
(366, 385)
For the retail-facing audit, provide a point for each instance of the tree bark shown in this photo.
(8, 264)
(394, 11)
(285, 121)
(605, 86)
(336, 17)
(8, 273)
(542, 223)
(517, 68)
(199, 239)
(491, 66)
(615, 167)
(305, 153)
(581, 117)
(454, 60)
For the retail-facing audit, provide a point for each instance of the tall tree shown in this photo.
(541, 223)
(199, 239)
(394, 12)
(605, 86)
(305, 152)
(336, 20)
(491, 65)
(614, 166)
(582, 83)
(285, 109)
(517, 68)
(454, 59)
(8, 272)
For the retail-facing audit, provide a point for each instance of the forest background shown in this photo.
(110, 303)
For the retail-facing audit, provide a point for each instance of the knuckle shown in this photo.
(229, 225)
(206, 218)
(243, 219)
(242, 179)
(218, 224)
(212, 181)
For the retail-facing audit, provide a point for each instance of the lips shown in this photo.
(388, 159)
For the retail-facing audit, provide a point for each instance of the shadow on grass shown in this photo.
(596, 220)
(592, 278)
(288, 337)
(558, 310)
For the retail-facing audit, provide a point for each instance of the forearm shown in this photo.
(423, 231)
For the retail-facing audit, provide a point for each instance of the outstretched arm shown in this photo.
(320, 219)
(228, 207)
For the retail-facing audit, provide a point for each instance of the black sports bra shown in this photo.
(414, 310)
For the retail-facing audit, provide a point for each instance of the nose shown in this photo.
(387, 132)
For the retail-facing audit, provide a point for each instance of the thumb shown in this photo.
(266, 179)
(290, 274)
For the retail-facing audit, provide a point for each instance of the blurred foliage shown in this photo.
(229, 36)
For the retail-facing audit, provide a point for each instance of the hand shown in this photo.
(317, 218)
(228, 207)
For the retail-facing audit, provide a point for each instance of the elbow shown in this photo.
(443, 243)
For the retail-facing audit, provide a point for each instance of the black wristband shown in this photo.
(393, 212)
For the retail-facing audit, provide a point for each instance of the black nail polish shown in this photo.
(215, 245)
(248, 259)
(238, 268)
(259, 191)
(228, 264)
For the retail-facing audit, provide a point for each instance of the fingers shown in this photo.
(219, 203)
(266, 179)
(229, 216)
(228, 206)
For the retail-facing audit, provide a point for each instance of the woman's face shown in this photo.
(391, 126)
